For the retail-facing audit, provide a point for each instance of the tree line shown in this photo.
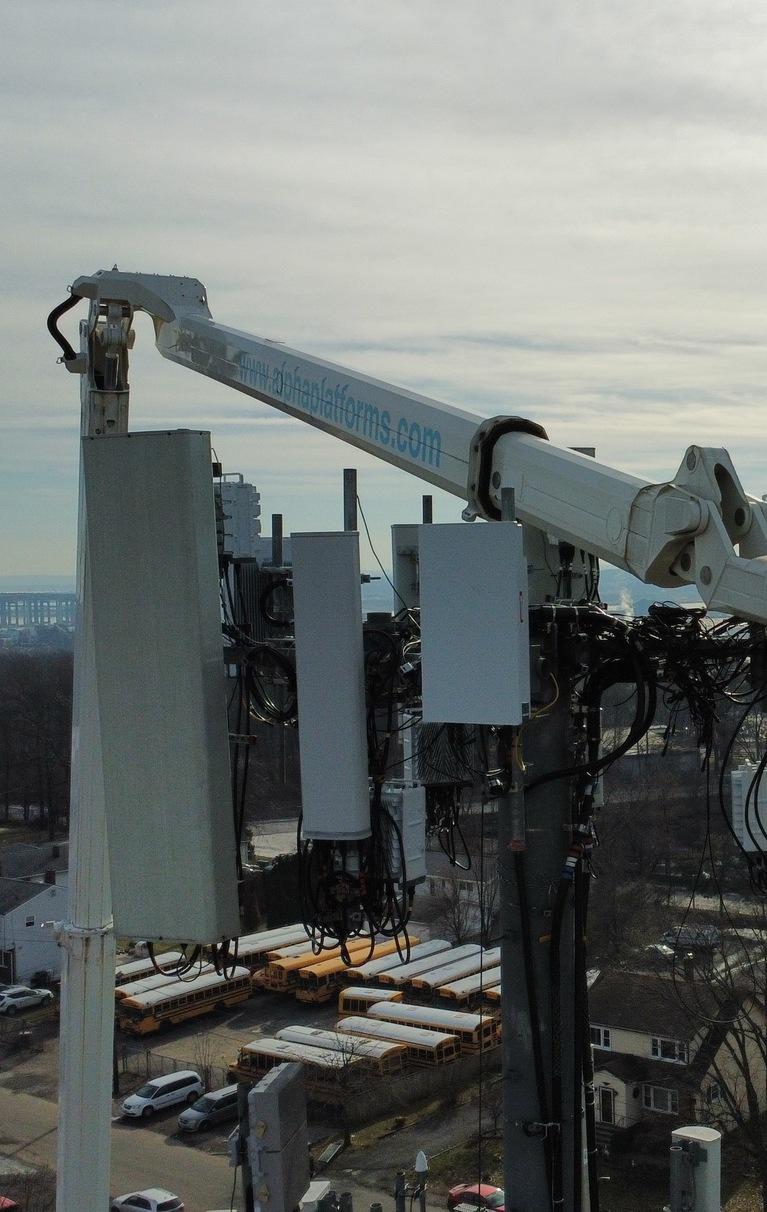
(35, 736)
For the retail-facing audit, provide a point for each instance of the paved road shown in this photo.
(140, 1157)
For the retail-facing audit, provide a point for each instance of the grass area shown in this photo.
(465, 1159)
(372, 1133)
(625, 1186)
(446, 1167)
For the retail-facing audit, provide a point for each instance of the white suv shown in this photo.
(19, 997)
(182, 1087)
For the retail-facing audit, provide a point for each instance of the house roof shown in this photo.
(629, 1068)
(20, 860)
(15, 892)
(643, 1069)
(652, 1004)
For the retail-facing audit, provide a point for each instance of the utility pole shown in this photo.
(87, 938)
(350, 498)
(533, 839)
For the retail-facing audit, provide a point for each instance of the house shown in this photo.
(28, 943)
(662, 1049)
(40, 861)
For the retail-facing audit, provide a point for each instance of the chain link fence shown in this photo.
(136, 1061)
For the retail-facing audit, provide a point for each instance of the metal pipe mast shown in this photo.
(87, 938)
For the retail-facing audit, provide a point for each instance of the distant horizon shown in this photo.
(37, 582)
(615, 584)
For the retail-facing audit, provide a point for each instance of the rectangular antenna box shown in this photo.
(327, 607)
(750, 827)
(153, 618)
(406, 805)
(474, 625)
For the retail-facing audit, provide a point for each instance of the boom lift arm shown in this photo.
(701, 527)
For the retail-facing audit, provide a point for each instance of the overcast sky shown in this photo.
(549, 209)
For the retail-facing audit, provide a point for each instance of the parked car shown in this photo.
(182, 1087)
(21, 997)
(480, 1195)
(216, 1107)
(152, 1199)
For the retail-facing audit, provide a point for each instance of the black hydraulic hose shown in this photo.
(532, 1004)
(582, 1046)
(582, 909)
(555, 987)
(68, 354)
(265, 600)
(608, 676)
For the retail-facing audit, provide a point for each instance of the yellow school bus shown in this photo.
(182, 999)
(318, 982)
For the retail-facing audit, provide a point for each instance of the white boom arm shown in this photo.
(682, 531)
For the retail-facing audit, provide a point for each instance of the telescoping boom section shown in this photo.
(700, 527)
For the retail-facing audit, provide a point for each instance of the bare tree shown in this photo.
(455, 914)
(489, 903)
(492, 1104)
(735, 1095)
(203, 1057)
(35, 732)
(348, 1079)
(35, 1190)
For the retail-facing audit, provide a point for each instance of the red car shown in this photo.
(479, 1195)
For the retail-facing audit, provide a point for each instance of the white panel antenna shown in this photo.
(750, 827)
(153, 570)
(327, 606)
(474, 624)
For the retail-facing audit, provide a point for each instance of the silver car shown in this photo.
(214, 1108)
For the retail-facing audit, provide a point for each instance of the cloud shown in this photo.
(551, 211)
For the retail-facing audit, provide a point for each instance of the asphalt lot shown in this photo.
(228, 1030)
(193, 1164)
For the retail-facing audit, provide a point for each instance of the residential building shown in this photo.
(44, 862)
(28, 945)
(662, 1049)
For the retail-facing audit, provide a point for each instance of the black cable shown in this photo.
(282, 621)
(68, 354)
(582, 1002)
(378, 562)
(256, 679)
(555, 992)
(533, 1005)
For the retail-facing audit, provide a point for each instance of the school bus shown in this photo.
(318, 982)
(324, 1068)
(355, 999)
(252, 950)
(135, 970)
(157, 981)
(175, 1002)
(401, 974)
(471, 989)
(418, 950)
(424, 1047)
(381, 1057)
(281, 975)
(476, 1032)
(426, 983)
